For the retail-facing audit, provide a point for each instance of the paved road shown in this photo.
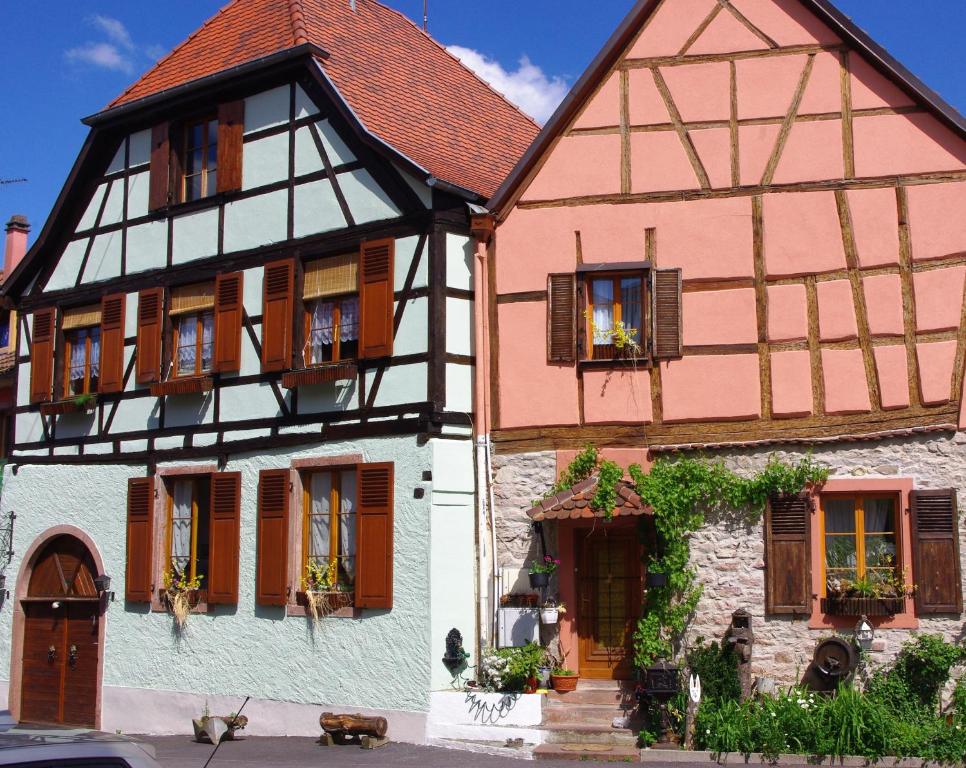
(182, 752)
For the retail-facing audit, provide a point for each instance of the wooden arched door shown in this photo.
(61, 649)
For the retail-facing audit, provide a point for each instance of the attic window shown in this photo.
(200, 160)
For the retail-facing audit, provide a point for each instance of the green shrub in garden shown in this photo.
(717, 666)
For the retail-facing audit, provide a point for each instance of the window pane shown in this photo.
(347, 528)
(840, 552)
(207, 340)
(631, 306)
(187, 344)
(192, 188)
(211, 183)
(213, 133)
(602, 297)
(78, 361)
(879, 515)
(95, 358)
(321, 332)
(212, 157)
(181, 526)
(880, 550)
(320, 489)
(840, 516)
(196, 136)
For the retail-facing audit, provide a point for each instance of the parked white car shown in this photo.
(39, 746)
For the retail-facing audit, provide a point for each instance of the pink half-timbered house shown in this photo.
(774, 209)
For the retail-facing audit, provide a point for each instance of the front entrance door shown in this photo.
(61, 639)
(608, 600)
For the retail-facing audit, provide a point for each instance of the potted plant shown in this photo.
(550, 612)
(564, 680)
(321, 592)
(542, 570)
(180, 593)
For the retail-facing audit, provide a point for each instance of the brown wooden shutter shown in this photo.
(374, 488)
(42, 354)
(667, 336)
(271, 578)
(231, 131)
(150, 323)
(140, 540)
(223, 538)
(788, 565)
(228, 321)
(376, 298)
(935, 552)
(278, 290)
(160, 187)
(561, 318)
(112, 343)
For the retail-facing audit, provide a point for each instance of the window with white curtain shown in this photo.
(614, 301)
(329, 524)
(860, 537)
(187, 529)
(331, 296)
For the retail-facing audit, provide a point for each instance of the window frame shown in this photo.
(859, 499)
(196, 511)
(183, 151)
(199, 316)
(335, 516)
(616, 272)
(336, 329)
(68, 347)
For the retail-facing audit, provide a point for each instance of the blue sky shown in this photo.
(65, 60)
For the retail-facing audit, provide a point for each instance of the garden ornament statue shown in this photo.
(742, 640)
(694, 701)
(455, 657)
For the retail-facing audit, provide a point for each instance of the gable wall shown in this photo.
(810, 204)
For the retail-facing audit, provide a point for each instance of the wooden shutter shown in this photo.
(278, 288)
(140, 540)
(667, 335)
(150, 323)
(935, 552)
(228, 321)
(42, 355)
(112, 343)
(561, 318)
(376, 298)
(374, 489)
(223, 538)
(271, 578)
(231, 131)
(788, 565)
(159, 187)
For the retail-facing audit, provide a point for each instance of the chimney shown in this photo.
(16, 246)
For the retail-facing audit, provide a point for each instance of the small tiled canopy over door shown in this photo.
(788, 571)
(376, 298)
(112, 343)
(374, 486)
(42, 355)
(561, 318)
(271, 580)
(223, 537)
(935, 551)
(140, 539)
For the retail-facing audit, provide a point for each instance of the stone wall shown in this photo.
(729, 554)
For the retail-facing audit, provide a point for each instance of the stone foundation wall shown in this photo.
(729, 554)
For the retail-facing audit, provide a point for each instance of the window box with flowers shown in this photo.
(81, 404)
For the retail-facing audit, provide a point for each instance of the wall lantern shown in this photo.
(864, 633)
(103, 585)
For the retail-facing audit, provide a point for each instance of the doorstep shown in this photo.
(607, 753)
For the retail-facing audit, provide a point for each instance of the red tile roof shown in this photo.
(404, 86)
(574, 503)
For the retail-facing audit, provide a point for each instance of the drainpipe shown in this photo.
(483, 229)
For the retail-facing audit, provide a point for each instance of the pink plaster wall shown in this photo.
(872, 90)
(720, 317)
(939, 299)
(621, 396)
(836, 311)
(883, 304)
(893, 372)
(936, 370)
(787, 22)
(711, 386)
(791, 383)
(579, 165)
(812, 152)
(726, 34)
(787, 313)
(875, 224)
(802, 234)
(755, 143)
(644, 102)
(937, 222)
(846, 390)
(824, 91)
(669, 28)
(713, 146)
(659, 163)
(890, 144)
(604, 108)
(766, 86)
(700, 91)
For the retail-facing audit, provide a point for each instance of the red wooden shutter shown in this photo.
(223, 538)
(788, 565)
(159, 187)
(228, 321)
(935, 552)
(112, 343)
(150, 323)
(271, 578)
(376, 298)
(277, 302)
(42, 355)
(231, 131)
(561, 318)
(140, 540)
(667, 339)
(374, 488)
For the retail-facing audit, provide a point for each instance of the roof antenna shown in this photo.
(425, 15)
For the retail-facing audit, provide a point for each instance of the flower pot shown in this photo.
(564, 683)
(531, 685)
(656, 580)
(539, 580)
(549, 615)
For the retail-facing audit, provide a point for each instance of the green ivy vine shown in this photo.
(681, 491)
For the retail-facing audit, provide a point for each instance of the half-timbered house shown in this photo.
(741, 233)
(245, 350)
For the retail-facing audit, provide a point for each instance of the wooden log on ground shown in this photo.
(353, 725)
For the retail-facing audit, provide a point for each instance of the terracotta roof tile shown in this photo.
(404, 86)
(574, 503)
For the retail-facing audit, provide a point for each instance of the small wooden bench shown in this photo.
(368, 732)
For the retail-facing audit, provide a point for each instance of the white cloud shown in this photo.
(115, 30)
(118, 52)
(527, 86)
(104, 55)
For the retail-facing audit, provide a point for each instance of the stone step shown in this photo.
(582, 713)
(613, 696)
(576, 733)
(589, 752)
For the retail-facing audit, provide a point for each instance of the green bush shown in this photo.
(717, 666)
(522, 663)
